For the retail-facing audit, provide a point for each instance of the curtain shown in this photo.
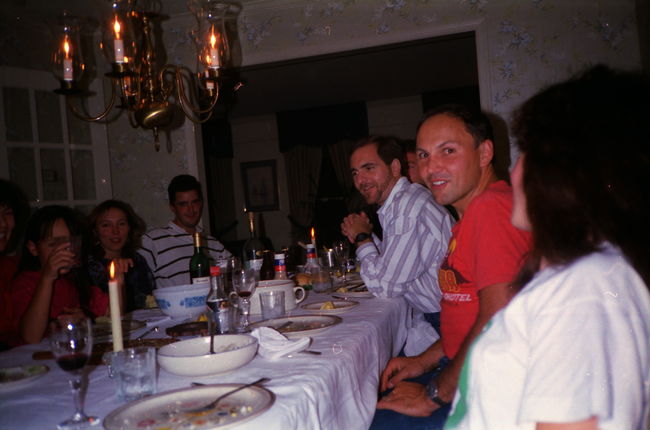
(302, 164)
(340, 156)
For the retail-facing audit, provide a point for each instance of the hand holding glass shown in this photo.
(72, 343)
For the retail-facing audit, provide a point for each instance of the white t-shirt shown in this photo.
(573, 344)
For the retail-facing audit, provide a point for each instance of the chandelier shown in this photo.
(149, 93)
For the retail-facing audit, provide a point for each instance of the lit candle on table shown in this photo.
(313, 237)
(116, 318)
(118, 44)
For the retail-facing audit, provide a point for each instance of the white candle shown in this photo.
(214, 58)
(209, 85)
(118, 46)
(116, 318)
(67, 69)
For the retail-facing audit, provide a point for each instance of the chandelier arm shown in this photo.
(132, 121)
(99, 117)
(193, 115)
(184, 101)
(166, 92)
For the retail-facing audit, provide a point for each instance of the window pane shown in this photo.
(17, 116)
(78, 130)
(83, 175)
(53, 171)
(48, 114)
(22, 170)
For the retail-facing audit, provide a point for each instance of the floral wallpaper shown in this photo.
(529, 44)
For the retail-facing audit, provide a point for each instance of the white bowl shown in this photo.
(192, 357)
(180, 302)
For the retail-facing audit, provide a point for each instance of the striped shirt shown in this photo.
(168, 251)
(416, 231)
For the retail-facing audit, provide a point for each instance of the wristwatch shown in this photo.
(432, 392)
(361, 237)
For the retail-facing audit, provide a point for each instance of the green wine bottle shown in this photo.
(199, 263)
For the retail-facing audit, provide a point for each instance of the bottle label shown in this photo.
(255, 264)
(201, 280)
(311, 253)
(279, 265)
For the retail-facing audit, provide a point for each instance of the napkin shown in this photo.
(273, 344)
(151, 317)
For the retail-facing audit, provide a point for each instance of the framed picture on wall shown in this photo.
(260, 182)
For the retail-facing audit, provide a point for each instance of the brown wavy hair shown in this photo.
(137, 227)
(586, 168)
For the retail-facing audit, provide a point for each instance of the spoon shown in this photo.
(216, 401)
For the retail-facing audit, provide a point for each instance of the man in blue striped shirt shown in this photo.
(416, 231)
(168, 249)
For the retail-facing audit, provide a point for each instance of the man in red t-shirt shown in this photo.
(455, 155)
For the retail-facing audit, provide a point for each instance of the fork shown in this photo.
(216, 401)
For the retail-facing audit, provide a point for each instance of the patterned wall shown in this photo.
(527, 45)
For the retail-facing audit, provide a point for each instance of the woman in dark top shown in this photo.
(117, 230)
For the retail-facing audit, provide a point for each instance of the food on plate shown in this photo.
(303, 278)
(103, 320)
(328, 306)
(342, 290)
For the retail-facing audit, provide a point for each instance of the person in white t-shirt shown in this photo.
(572, 349)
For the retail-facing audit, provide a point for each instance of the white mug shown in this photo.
(293, 294)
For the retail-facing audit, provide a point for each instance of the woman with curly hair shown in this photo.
(117, 230)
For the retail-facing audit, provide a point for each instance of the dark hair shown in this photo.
(586, 168)
(476, 122)
(388, 149)
(39, 227)
(11, 196)
(408, 145)
(183, 183)
(136, 227)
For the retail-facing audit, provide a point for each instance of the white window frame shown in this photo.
(34, 80)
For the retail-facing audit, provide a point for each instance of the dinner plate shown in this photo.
(102, 331)
(300, 325)
(353, 295)
(18, 376)
(340, 306)
(166, 410)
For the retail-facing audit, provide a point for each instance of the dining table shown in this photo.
(337, 389)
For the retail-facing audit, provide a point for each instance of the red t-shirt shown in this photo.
(8, 267)
(64, 296)
(485, 249)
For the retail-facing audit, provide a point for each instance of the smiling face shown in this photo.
(112, 230)
(372, 177)
(413, 170)
(452, 166)
(187, 209)
(7, 224)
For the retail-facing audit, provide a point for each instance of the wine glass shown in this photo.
(244, 283)
(72, 342)
(342, 252)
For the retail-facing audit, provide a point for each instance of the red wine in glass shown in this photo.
(72, 343)
(244, 294)
(72, 362)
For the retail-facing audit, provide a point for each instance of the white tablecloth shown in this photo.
(336, 390)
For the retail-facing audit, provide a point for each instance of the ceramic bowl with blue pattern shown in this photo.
(182, 301)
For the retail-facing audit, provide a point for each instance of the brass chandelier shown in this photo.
(144, 89)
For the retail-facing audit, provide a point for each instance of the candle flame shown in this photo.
(213, 40)
(66, 48)
(111, 270)
(313, 235)
(117, 27)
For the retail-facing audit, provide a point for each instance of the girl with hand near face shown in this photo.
(117, 231)
(49, 283)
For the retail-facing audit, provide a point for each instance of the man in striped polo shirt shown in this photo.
(168, 249)
(416, 230)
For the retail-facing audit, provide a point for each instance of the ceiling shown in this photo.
(385, 72)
